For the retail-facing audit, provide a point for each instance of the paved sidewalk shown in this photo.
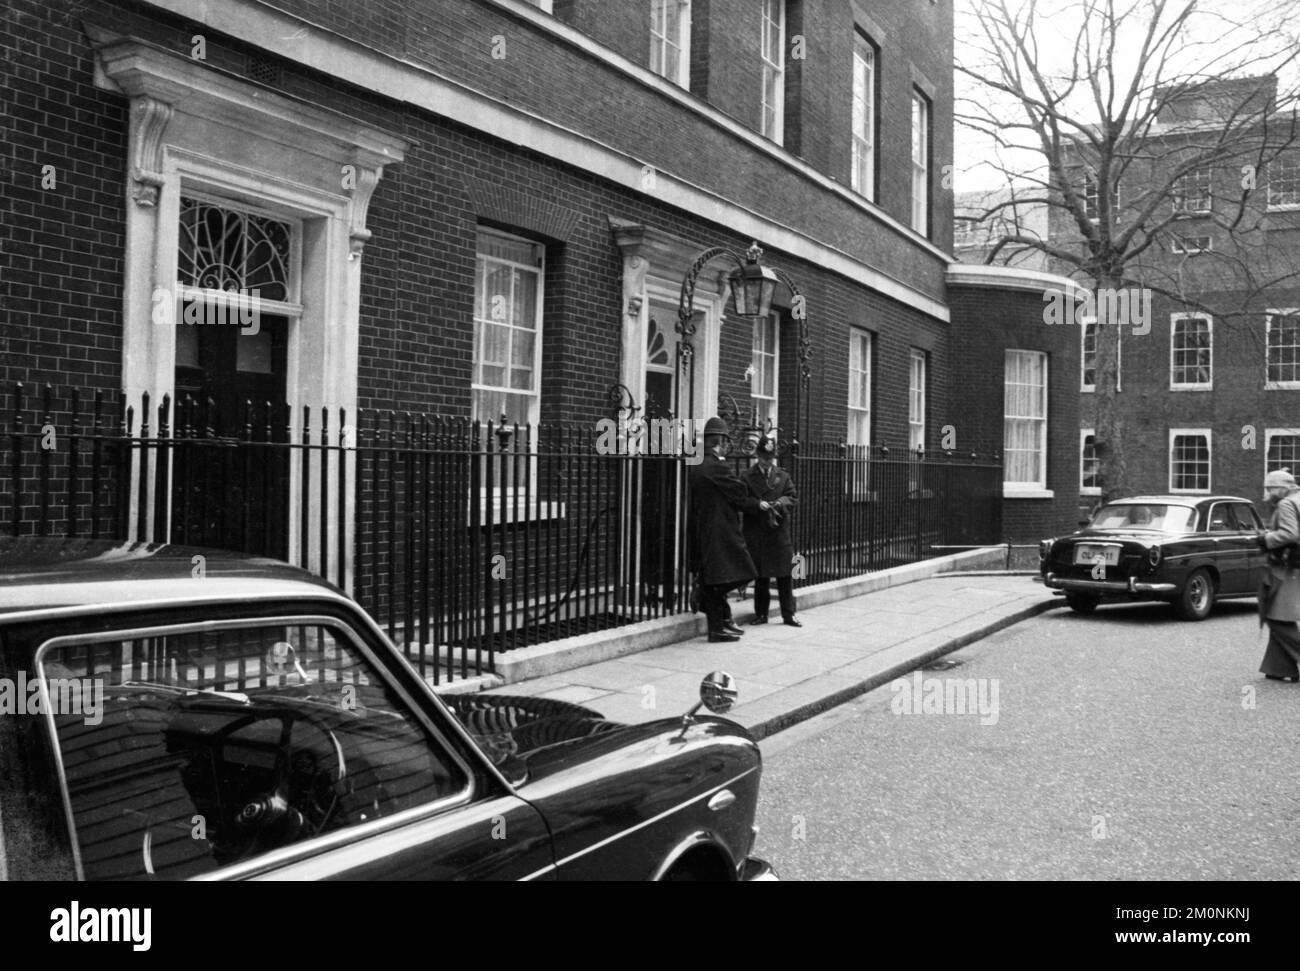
(787, 674)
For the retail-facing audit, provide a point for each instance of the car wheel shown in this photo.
(1196, 599)
(1082, 603)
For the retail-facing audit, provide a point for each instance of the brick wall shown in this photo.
(61, 187)
(455, 38)
(986, 322)
(1237, 405)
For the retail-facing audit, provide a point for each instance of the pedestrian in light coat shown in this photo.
(767, 534)
(1280, 596)
(718, 552)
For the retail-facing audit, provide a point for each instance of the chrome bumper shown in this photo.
(754, 870)
(1132, 585)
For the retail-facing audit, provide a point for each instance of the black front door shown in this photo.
(230, 480)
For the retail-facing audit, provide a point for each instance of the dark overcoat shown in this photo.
(718, 497)
(767, 534)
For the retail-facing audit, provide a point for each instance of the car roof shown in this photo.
(45, 572)
(1176, 500)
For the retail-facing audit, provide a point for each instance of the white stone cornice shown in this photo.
(1011, 278)
(662, 249)
(140, 69)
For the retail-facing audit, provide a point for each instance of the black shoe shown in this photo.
(1278, 677)
(731, 628)
(722, 637)
(790, 621)
(758, 619)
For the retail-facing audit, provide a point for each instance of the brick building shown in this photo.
(1212, 390)
(471, 208)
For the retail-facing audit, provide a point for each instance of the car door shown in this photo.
(1230, 552)
(1256, 559)
(292, 746)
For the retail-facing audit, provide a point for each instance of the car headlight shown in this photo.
(1153, 555)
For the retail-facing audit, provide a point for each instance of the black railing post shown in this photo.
(16, 451)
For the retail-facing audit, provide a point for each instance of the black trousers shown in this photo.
(763, 595)
(713, 601)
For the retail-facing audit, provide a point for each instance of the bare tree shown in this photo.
(1123, 117)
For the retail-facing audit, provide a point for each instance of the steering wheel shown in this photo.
(272, 794)
(304, 792)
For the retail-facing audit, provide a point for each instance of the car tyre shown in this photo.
(1196, 599)
(1082, 603)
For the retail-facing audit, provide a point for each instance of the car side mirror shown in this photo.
(718, 693)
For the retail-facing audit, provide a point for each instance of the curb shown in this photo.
(789, 719)
(528, 663)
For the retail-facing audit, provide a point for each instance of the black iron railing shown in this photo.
(462, 539)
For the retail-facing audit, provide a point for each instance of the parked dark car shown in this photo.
(194, 714)
(1190, 551)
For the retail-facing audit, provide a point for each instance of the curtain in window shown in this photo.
(1025, 407)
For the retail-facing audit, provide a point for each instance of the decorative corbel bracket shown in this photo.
(369, 167)
(149, 119)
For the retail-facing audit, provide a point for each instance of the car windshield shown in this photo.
(1143, 515)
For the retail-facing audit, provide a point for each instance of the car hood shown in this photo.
(512, 728)
(530, 739)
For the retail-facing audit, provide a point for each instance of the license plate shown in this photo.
(1087, 555)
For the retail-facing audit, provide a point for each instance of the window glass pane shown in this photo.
(271, 734)
(1284, 451)
(1284, 348)
(1025, 422)
(1189, 462)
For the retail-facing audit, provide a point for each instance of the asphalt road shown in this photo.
(1126, 745)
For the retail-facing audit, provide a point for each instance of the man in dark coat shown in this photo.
(767, 534)
(718, 552)
(1280, 597)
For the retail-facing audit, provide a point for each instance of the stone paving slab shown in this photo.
(787, 674)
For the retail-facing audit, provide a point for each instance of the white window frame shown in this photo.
(1174, 435)
(545, 6)
(659, 43)
(1269, 434)
(1084, 435)
(964, 231)
(1174, 321)
(920, 162)
(773, 69)
(1201, 180)
(535, 395)
(865, 109)
(860, 337)
(1088, 186)
(1180, 245)
(917, 387)
(1087, 322)
(1269, 315)
(503, 501)
(1037, 489)
(757, 353)
(1292, 160)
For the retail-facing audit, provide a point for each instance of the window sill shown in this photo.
(1026, 492)
(1090, 491)
(1190, 492)
(1284, 207)
(1282, 385)
(505, 514)
(1192, 387)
